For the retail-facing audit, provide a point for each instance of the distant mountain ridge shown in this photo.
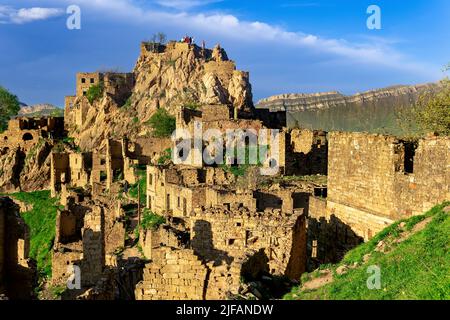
(375, 111)
(319, 101)
(40, 110)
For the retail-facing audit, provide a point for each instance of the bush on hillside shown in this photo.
(162, 123)
(95, 92)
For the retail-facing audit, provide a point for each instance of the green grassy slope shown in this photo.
(41, 221)
(414, 265)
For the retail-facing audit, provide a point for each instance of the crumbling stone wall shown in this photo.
(173, 274)
(286, 199)
(114, 161)
(306, 152)
(26, 132)
(69, 170)
(429, 182)
(174, 192)
(151, 239)
(230, 198)
(146, 150)
(329, 237)
(59, 172)
(218, 176)
(17, 271)
(85, 80)
(80, 167)
(93, 261)
(222, 234)
(374, 179)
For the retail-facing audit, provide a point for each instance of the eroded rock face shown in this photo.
(36, 170)
(11, 162)
(172, 76)
(326, 100)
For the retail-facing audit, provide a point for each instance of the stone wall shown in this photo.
(306, 152)
(330, 237)
(374, 179)
(174, 192)
(27, 132)
(221, 235)
(174, 274)
(17, 271)
(230, 198)
(93, 261)
(84, 80)
(80, 167)
(163, 236)
(59, 172)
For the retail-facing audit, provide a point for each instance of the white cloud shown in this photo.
(374, 51)
(26, 15)
(185, 4)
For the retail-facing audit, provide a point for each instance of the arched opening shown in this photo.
(27, 137)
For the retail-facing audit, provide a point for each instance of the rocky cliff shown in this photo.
(39, 110)
(320, 101)
(22, 170)
(165, 76)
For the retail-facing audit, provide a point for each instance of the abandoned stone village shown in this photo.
(137, 226)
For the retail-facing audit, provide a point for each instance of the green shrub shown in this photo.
(151, 220)
(41, 220)
(95, 92)
(162, 123)
(165, 157)
(142, 183)
(432, 112)
(68, 140)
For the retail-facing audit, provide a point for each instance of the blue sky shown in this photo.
(288, 46)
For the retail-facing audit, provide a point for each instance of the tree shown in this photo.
(9, 106)
(432, 111)
(162, 38)
(447, 67)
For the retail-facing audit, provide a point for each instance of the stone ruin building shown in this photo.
(117, 86)
(25, 132)
(17, 272)
(221, 234)
(100, 169)
(25, 147)
(374, 180)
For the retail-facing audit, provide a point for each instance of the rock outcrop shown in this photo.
(39, 110)
(320, 101)
(165, 76)
(25, 171)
